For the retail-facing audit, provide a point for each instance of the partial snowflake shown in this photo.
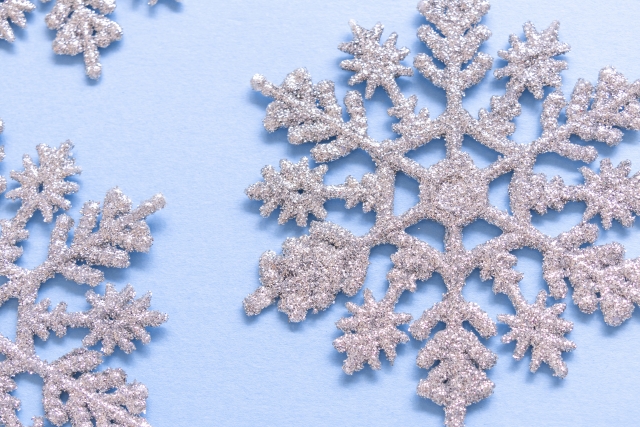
(13, 10)
(74, 391)
(314, 268)
(82, 26)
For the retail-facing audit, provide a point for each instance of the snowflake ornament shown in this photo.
(81, 26)
(74, 391)
(314, 268)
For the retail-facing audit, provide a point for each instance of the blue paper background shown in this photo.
(174, 113)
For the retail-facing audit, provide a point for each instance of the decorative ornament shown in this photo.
(73, 390)
(82, 27)
(313, 269)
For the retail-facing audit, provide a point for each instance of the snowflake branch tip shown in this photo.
(530, 63)
(296, 189)
(539, 327)
(377, 64)
(117, 318)
(371, 328)
(43, 187)
(453, 17)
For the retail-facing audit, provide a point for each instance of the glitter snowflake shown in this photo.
(74, 391)
(82, 26)
(314, 268)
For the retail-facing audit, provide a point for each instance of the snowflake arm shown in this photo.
(458, 381)
(13, 10)
(299, 191)
(81, 29)
(82, 26)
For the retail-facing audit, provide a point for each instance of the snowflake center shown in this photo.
(459, 193)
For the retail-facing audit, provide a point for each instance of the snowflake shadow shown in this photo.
(173, 5)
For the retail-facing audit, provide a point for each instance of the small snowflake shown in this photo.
(103, 237)
(454, 192)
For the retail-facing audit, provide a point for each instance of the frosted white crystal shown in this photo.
(314, 268)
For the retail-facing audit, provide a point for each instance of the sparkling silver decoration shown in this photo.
(73, 390)
(314, 268)
(82, 26)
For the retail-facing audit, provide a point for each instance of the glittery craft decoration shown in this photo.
(81, 27)
(313, 269)
(74, 391)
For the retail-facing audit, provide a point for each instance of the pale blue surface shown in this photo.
(174, 113)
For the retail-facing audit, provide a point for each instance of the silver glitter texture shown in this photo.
(13, 10)
(81, 26)
(103, 237)
(314, 268)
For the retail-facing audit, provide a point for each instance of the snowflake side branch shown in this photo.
(304, 278)
(13, 10)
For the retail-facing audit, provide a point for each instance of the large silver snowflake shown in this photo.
(74, 391)
(314, 268)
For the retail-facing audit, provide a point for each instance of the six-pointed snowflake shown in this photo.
(74, 391)
(314, 268)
